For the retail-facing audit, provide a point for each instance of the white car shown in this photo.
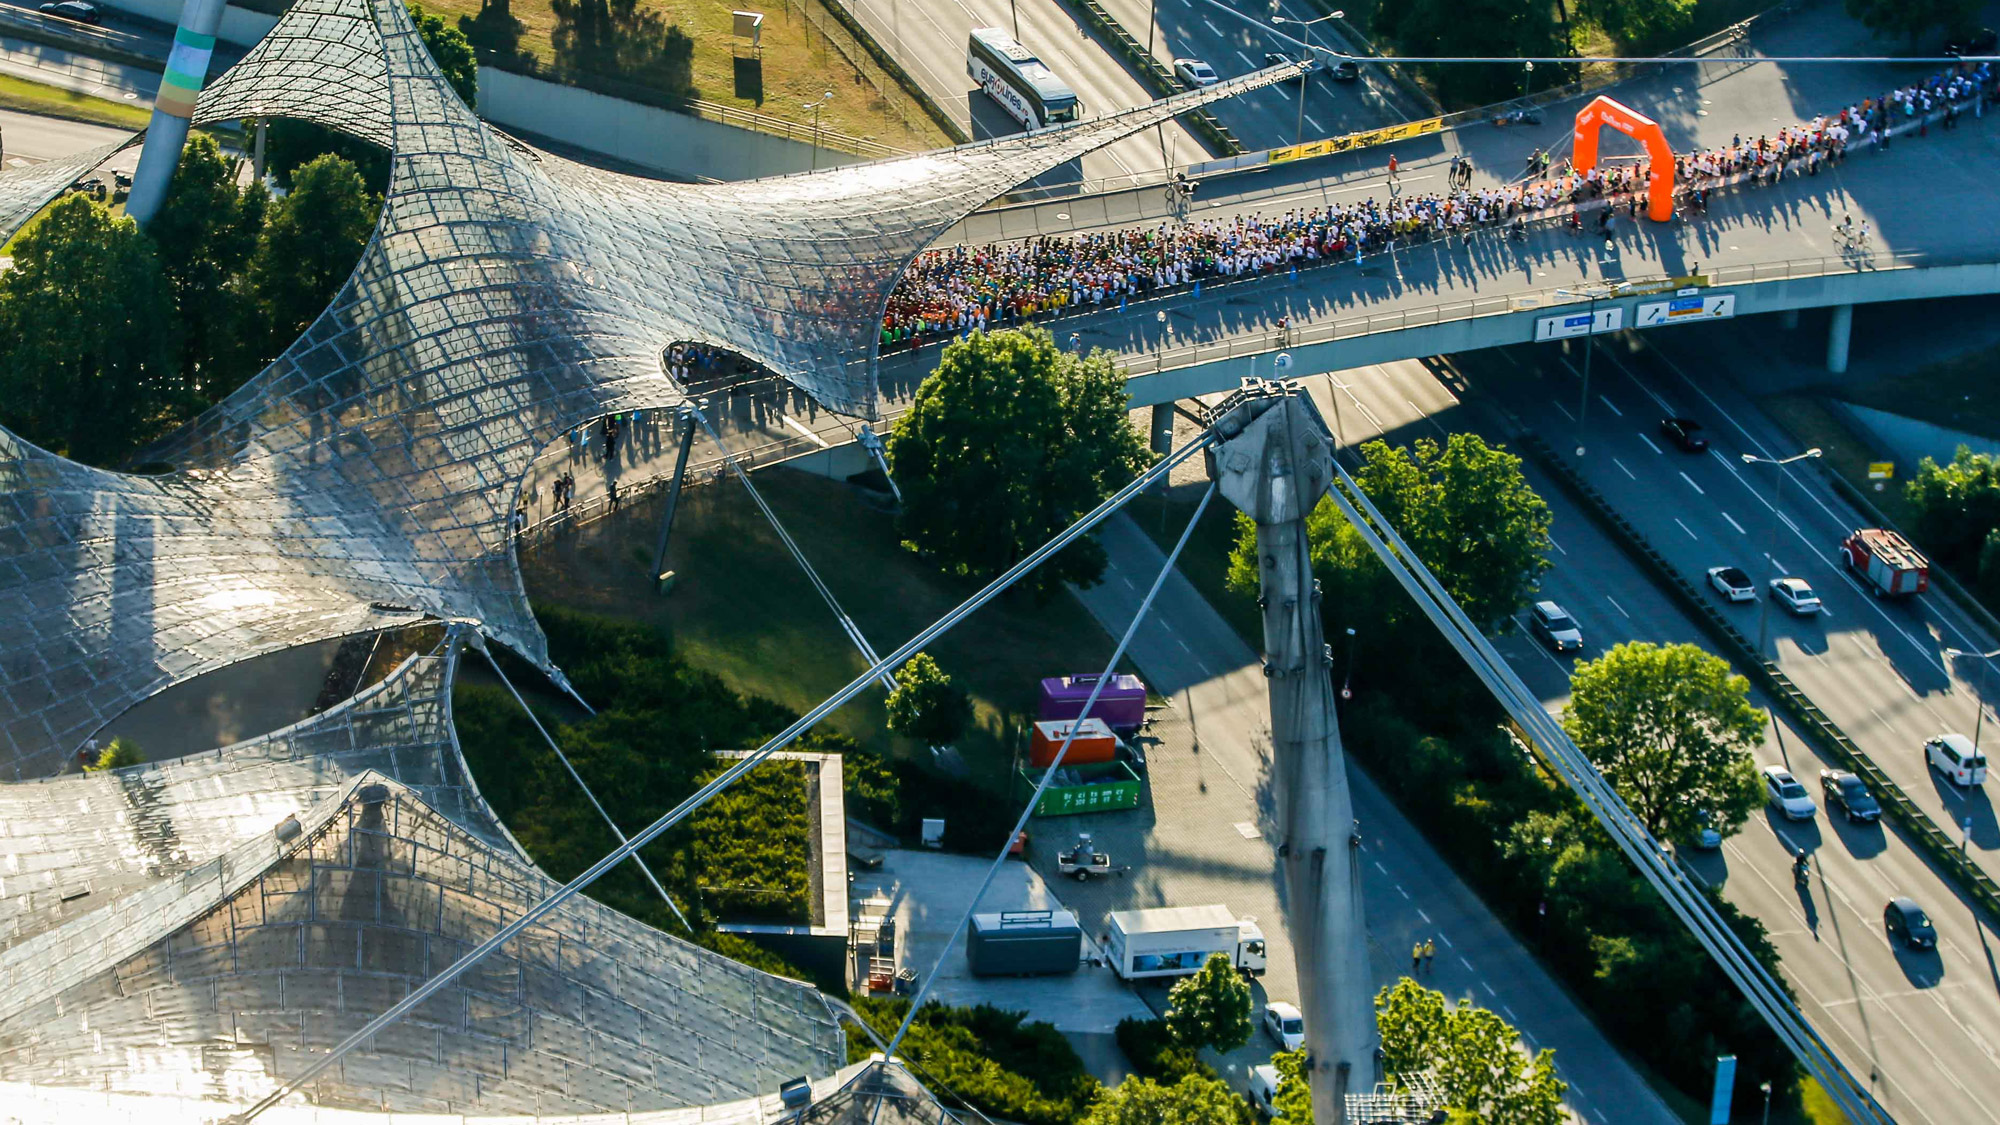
(1732, 583)
(1795, 595)
(1954, 756)
(1195, 73)
(1264, 1083)
(1285, 1024)
(1787, 795)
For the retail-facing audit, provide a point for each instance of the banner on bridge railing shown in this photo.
(1352, 141)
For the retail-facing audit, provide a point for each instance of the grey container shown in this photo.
(1024, 943)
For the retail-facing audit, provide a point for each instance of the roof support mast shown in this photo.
(1274, 461)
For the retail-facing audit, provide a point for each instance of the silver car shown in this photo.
(1795, 595)
(1787, 795)
(1555, 627)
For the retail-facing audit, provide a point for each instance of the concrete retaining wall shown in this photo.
(239, 26)
(670, 142)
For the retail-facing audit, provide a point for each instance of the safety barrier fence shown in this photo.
(1154, 73)
(1917, 825)
(902, 78)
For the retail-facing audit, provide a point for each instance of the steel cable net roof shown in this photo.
(507, 296)
(254, 906)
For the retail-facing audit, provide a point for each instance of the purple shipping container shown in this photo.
(1122, 705)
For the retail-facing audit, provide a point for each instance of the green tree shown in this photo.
(86, 335)
(926, 705)
(1410, 1020)
(1957, 506)
(206, 232)
(1194, 1100)
(1989, 568)
(452, 52)
(1911, 19)
(1293, 1104)
(1007, 443)
(1211, 1008)
(117, 754)
(1640, 22)
(309, 247)
(1671, 728)
(1475, 28)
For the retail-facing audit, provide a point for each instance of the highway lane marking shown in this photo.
(1733, 523)
(1684, 527)
(1468, 965)
(1609, 405)
(1488, 988)
(1427, 417)
(1787, 520)
(1317, 127)
(1556, 545)
(1425, 917)
(1184, 646)
(1774, 562)
(1246, 59)
(1445, 940)
(1691, 484)
(1379, 867)
(1616, 606)
(1566, 414)
(1650, 445)
(1401, 891)
(1284, 89)
(1622, 468)
(1512, 1018)
(1215, 31)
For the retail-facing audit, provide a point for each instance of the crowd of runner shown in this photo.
(961, 288)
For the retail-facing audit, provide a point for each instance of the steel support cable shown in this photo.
(583, 785)
(1691, 906)
(1604, 803)
(847, 624)
(723, 780)
(1048, 775)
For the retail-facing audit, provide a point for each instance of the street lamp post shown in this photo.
(815, 106)
(1527, 77)
(1595, 295)
(1300, 135)
(1978, 701)
(1777, 500)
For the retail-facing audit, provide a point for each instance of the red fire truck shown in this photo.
(1887, 561)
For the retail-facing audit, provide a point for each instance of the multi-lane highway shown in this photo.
(929, 38)
(32, 138)
(1877, 667)
(1920, 1028)
(1234, 38)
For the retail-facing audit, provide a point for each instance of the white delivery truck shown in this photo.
(1175, 941)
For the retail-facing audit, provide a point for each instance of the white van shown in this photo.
(1264, 1089)
(1954, 756)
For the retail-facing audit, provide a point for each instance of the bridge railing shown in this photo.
(1245, 344)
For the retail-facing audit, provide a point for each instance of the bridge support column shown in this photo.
(1790, 319)
(1162, 433)
(1837, 333)
(187, 69)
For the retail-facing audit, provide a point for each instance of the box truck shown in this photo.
(1175, 941)
(1024, 943)
(1892, 567)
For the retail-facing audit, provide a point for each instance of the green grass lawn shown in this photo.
(798, 63)
(23, 96)
(743, 610)
(1815, 424)
(1959, 393)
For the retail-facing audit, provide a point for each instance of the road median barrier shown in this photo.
(1922, 831)
(1154, 74)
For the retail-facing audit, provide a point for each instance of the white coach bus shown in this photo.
(1028, 90)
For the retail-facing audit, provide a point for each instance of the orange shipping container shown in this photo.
(1094, 742)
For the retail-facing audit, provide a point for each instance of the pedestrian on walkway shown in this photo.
(1416, 957)
(1430, 953)
(611, 488)
(1392, 167)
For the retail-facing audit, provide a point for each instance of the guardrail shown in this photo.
(887, 62)
(1977, 885)
(1154, 73)
(104, 43)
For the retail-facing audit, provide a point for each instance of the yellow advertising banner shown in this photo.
(1352, 141)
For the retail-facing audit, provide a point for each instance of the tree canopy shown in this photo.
(1957, 506)
(1211, 1008)
(310, 244)
(206, 232)
(1911, 19)
(1474, 1055)
(87, 335)
(117, 754)
(1006, 444)
(1671, 727)
(926, 705)
(452, 52)
(1194, 1100)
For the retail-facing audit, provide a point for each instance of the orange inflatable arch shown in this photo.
(1590, 122)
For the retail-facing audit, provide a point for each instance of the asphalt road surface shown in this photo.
(31, 138)
(1233, 39)
(1877, 667)
(929, 36)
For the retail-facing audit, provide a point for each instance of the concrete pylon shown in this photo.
(173, 106)
(1838, 331)
(1274, 462)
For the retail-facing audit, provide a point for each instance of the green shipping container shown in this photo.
(1105, 788)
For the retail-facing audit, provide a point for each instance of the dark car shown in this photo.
(77, 10)
(1908, 923)
(1849, 792)
(1346, 70)
(1980, 42)
(1684, 432)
